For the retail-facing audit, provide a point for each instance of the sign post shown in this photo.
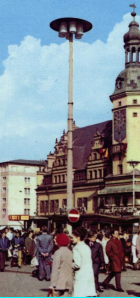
(73, 215)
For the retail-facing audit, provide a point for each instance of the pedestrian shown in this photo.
(84, 284)
(9, 234)
(115, 253)
(121, 237)
(97, 256)
(105, 239)
(44, 245)
(4, 245)
(61, 276)
(18, 243)
(29, 248)
(138, 245)
(134, 253)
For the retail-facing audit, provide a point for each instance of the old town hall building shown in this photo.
(106, 157)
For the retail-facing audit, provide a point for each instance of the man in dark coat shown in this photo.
(29, 248)
(115, 252)
(97, 257)
(44, 244)
(4, 245)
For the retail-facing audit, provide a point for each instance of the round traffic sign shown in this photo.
(73, 215)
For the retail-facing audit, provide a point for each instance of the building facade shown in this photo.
(106, 157)
(18, 182)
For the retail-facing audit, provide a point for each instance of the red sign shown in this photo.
(18, 217)
(73, 215)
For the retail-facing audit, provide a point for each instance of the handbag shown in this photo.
(34, 262)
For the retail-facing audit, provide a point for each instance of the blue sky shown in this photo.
(34, 70)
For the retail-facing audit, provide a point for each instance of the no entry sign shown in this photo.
(73, 215)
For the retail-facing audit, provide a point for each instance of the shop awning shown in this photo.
(119, 189)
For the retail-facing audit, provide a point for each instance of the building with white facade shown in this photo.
(18, 182)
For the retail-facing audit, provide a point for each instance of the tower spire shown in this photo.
(133, 14)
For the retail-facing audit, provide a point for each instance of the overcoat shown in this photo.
(115, 252)
(138, 246)
(61, 276)
(29, 246)
(84, 284)
(44, 244)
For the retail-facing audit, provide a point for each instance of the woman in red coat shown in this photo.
(115, 252)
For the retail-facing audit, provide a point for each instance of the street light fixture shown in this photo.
(67, 27)
(133, 164)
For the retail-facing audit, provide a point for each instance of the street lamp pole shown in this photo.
(68, 27)
(133, 164)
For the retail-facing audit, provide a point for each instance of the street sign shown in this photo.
(18, 217)
(73, 215)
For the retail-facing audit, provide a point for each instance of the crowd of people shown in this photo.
(72, 262)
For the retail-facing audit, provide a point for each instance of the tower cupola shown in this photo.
(132, 43)
(128, 80)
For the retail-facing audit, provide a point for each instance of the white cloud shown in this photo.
(34, 88)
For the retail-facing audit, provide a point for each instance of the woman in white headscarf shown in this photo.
(84, 284)
(134, 239)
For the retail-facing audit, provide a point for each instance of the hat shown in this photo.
(62, 239)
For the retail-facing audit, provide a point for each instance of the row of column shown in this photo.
(129, 55)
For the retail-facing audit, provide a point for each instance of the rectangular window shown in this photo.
(134, 101)
(120, 169)
(117, 201)
(4, 200)
(52, 206)
(105, 172)
(64, 203)
(95, 174)
(26, 211)
(46, 209)
(4, 211)
(100, 173)
(56, 205)
(135, 114)
(79, 202)
(82, 202)
(41, 206)
(63, 178)
(26, 201)
(4, 190)
(90, 174)
(27, 179)
(4, 179)
(27, 191)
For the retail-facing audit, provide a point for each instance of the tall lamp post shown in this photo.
(68, 27)
(133, 164)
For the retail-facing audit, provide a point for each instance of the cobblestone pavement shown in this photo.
(15, 282)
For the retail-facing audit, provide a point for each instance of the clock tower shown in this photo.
(126, 105)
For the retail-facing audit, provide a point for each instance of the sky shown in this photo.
(34, 70)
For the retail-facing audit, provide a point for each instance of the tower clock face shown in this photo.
(119, 125)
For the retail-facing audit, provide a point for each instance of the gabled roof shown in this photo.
(83, 138)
